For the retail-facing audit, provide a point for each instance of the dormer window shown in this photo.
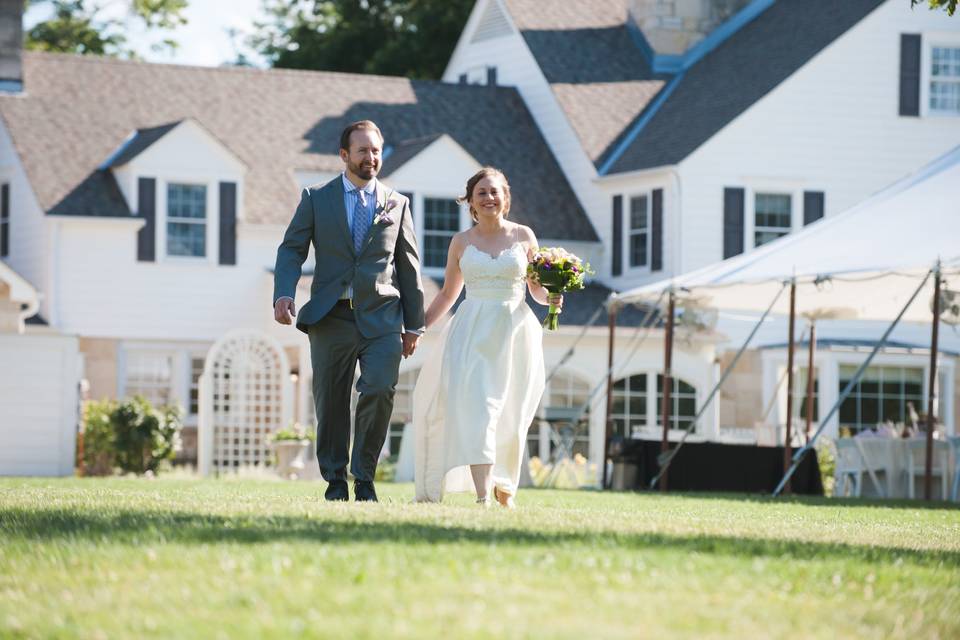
(186, 220)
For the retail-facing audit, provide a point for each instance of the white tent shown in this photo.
(866, 261)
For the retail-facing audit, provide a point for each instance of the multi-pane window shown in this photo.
(639, 231)
(186, 220)
(567, 391)
(149, 374)
(683, 402)
(441, 221)
(772, 217)
(4, 220)
(630, 405)
(196, 370)
(945, 80)
(883, 394)
(402, 409)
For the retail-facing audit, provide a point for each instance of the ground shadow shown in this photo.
(140, 527)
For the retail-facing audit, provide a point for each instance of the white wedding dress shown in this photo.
(477, 394)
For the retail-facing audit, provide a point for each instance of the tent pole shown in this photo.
(667, 384)
(611, 328)
(810, 378)
(934, 346)
(664, 460)
(798, 456)
(787, 453)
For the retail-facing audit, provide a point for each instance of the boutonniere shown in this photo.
(385, 217)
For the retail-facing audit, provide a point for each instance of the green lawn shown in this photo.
(127, 558)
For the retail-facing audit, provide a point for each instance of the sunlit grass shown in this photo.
(126, 558)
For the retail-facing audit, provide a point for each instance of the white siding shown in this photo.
(38, 404)
(28, 231)
(833, 127)
(517, 67)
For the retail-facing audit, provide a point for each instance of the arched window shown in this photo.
(683, 401)
(630, 406)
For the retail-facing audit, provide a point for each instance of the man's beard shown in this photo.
(367, 173)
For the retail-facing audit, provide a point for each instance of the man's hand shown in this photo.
(410, 341)
(284, 310)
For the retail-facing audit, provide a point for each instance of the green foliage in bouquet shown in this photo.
(558, 271)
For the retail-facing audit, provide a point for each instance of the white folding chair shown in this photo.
(917, 463)
(849, 467)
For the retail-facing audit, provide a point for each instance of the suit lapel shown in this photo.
(336, 205)
(381, 201)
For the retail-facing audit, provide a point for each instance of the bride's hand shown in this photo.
(555, 299)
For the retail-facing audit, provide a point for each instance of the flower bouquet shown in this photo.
(558, 271)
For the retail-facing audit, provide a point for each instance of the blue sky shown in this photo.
(203, 40)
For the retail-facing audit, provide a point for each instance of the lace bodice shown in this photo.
(495, 278)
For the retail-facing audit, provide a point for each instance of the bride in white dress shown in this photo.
(478, 392)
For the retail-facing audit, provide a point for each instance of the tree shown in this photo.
(949, 5)
(412, 38)
(81, 26)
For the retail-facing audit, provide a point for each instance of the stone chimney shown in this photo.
(11, 45)
(672, 27)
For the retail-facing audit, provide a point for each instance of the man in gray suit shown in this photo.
(366, 304)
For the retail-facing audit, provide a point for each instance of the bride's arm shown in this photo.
(452, 282)
(537, 292)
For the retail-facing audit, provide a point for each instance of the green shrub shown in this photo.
(828, 464)
(130, 435)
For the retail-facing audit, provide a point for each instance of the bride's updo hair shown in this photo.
(472, 184)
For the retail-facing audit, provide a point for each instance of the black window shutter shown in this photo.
(147, 209)
(228, 223)
(656, 231)
(909, 74)
(409, 197)
(812, 206)
(492, 76)
(463, 78)
(617, 249)
(4, 220)
(733, 198)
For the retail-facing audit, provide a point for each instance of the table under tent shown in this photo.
(895, 257)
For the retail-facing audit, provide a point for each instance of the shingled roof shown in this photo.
(587, 54)
(77, 110)
(605, 83)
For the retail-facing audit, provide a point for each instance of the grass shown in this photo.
(121, 558)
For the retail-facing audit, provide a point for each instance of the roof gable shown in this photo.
(275, 121)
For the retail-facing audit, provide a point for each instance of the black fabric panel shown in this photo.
(733, 198)
(812, 206)
(909, 74)
(616, 267)
(147, 209)
(4, 220)
(710, 466)
(228, 223)
(656, 231)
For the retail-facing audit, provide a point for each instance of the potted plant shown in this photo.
(290, 444)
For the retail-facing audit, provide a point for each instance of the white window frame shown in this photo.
(212, 220)
(827, 361)
(180, 375)
(628, 234)
(570, 379)
(930, 40)
(775, 187)
(792, 213)
(654, 427)
(419, 219)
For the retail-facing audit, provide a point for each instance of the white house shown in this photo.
(145, 202)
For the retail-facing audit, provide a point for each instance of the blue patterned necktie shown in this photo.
(361, 221)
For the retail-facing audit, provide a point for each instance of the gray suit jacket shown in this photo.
(387, 288)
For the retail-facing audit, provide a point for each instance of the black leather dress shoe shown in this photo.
(363, 491)
(337, 491)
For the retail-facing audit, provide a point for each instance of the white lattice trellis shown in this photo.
(245, 393)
